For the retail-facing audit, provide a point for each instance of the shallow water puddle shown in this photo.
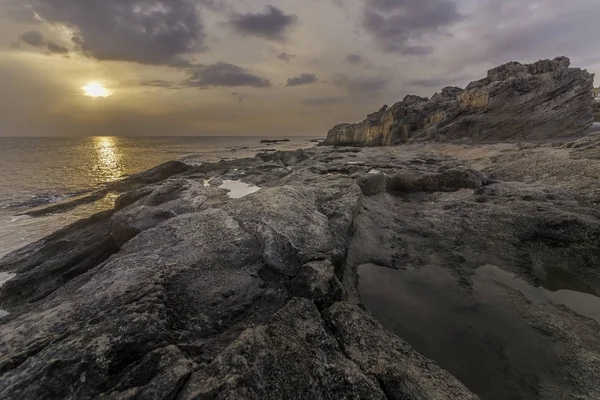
(585, 304)
(238, 189)
(473, 332)
(5, 277)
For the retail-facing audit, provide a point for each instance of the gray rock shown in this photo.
(543, 100)
(317, 281)
(372, 184)
(160, 375)
(182, 292)
(175, 197)
(312, 365)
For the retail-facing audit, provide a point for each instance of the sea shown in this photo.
(37, 172)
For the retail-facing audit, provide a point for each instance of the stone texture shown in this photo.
(317, 281)
(257, 297)
(372, 184)
(543, 100)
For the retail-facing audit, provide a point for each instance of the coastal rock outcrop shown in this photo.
(543, 100)
(183, 292)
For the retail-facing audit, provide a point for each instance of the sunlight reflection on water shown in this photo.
(108, 163)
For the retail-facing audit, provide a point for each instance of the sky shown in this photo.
(259, 68)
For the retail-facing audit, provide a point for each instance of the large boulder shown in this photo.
(543, 100)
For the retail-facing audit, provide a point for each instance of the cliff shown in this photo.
(543, 100)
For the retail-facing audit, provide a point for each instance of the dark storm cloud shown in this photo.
(361, 86)
(160, 83)
(395, 23)
(272, 24)
(354, 59)
(303, 79)
(224, 74)
(143, 31)
(56, 48)
(36, 39)
(33, 38)
(214, 75)
(286, 56)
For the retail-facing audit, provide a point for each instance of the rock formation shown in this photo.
(543, 100)
(182, 292)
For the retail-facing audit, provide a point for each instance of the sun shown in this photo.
(94, 89)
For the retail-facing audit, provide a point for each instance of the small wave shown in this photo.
(19, 217)
(44, 199)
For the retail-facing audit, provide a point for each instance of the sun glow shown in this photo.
(94, 89)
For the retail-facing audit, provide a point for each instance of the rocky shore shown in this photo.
(183, 292)
(430, 270)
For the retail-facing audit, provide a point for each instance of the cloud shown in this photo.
(322, 101)
(396, 24)
(532, 30)
(18, 12)
(36, 39)
(441, 82)
(57, 49)
(142, 31)
(271, 25)
(224, 74)
(33, 38)
(354, 59)
(361, 86)
(285, 56)
(303, 79)
(160, 83)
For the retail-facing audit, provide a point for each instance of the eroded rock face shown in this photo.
(183, 293)
(543, 100)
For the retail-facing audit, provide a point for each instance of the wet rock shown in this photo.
(274, 141)
(132, 196)
(50, 263)
(67, 205)
(154, 175)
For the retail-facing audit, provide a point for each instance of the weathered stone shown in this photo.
(263, 363)
(372, 184)
(543, 100)
(159, 375)
(317, 281)
(154, 175)
(167, 201)
(257, 297)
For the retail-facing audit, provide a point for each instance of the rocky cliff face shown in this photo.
(546, 99)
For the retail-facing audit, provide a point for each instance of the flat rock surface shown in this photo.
(184, 292)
